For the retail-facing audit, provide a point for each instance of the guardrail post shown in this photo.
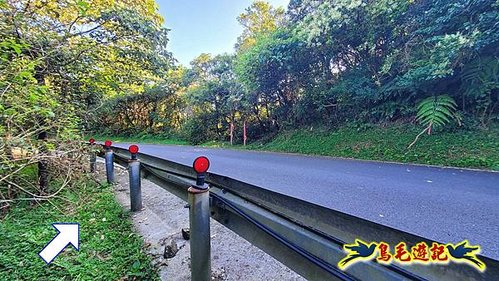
(199, 219)
(109, 162)
(93, 156)
(134, 176)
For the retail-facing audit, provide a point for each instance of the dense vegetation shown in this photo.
(455, 148)
(109, 249)
(59, 61)
(329, 64)
(71, 67)
(450, 148)
(353, 78)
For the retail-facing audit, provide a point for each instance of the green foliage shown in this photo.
(274, 71)
(329, 63)
(215, 98)
(196, 130)
(437, 111)
(109, 249)
(27, 109)
(59, 61)
(480, 87)
(155, 111)
(22, 97)
(258, 19)
(434, 112)
(457, 148)
(408, 50)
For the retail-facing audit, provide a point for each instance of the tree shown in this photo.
(90, 49)
(214, 96)
(331, 62)
(260, 18)
(157, 110)
(60, 59)
(407, 50)
(275, 71)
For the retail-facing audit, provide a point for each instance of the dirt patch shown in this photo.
(160, 223)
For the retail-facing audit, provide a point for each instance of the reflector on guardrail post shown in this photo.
(108, 156)
(134, 176)
(199, 219)
(93, 156)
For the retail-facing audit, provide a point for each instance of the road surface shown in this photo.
(442, 204)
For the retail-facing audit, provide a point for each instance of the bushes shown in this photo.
(329, 65)
(56, 65)
(196, 131)
(35, 126)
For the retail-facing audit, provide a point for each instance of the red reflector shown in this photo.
(201, 164)
(133, 149)
(91, 141)
(108, 143)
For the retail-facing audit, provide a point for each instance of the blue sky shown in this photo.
(208, 26)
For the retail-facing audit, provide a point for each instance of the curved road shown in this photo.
(443, 204)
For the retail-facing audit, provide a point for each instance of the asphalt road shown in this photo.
(443, 204)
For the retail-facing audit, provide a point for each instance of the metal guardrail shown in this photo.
(305, 237)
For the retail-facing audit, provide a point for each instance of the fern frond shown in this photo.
(436, 112)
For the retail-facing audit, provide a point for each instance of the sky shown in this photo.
(204, 26)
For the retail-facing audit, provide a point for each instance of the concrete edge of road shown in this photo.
(321, 156)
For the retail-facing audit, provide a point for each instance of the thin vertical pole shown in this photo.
(199, 218)
(231, 133)
(244, 133)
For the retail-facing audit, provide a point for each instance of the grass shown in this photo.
(460, 148)
(470, 149)
(109, 249)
